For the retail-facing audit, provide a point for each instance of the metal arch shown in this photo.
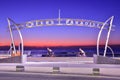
(61, 22)
(99, 35)
(11, 35)
(21, 38)
(108, 35)
(111, 50)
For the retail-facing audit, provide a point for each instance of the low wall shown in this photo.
(59, 59)
(105, 60)
(15, 59)
(67, 70)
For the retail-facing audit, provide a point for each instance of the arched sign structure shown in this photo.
(62, 22)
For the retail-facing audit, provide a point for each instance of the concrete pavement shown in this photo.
(64, 67)
(51, 76)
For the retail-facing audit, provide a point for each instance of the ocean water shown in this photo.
(72, 51)
(66, 51)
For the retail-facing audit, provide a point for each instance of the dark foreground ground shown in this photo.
(48, 76)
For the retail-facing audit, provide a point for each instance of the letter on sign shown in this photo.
(29, 24)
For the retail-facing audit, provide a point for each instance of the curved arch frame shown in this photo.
(111, 51)
(99, 35)
(21, 38)
(11, 35)
(18, 27)
(60, 22)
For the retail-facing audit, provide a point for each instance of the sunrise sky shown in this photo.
(25, 10)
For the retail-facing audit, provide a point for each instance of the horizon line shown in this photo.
(61, 45)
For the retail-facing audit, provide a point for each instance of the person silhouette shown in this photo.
(81, 53)
(50, 52)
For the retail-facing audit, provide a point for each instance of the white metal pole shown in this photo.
(99, 35)
(111, 50)
(108, 35)
(59, 17)
(11, 35)
(21, 38)
(98, 39)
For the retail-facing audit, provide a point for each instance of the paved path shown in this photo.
(46, 76)
(62, 64)
(65, 67)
